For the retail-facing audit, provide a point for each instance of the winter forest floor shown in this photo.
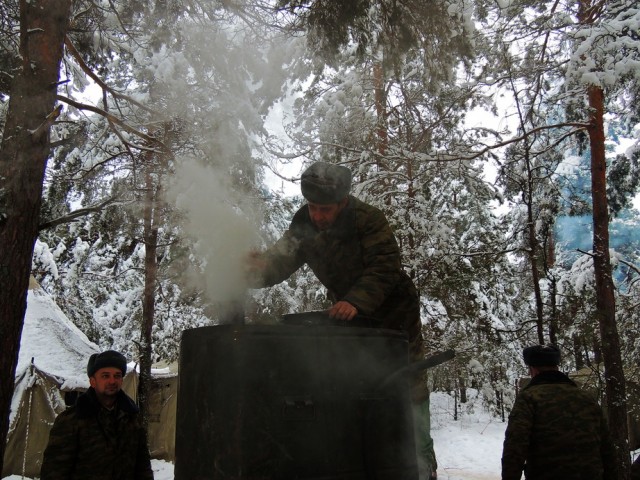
(467, 449)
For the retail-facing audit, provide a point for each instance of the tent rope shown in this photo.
(26, 439)
(136, 381)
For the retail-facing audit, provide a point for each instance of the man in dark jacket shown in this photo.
(555, 430)
(352, 250)
(100, 437)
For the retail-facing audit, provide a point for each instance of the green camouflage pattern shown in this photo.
(88, 442)
(427, 463)
(635, 469)
(557, 431)
(357, 260)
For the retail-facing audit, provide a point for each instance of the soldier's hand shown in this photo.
(254, 263)
(343, 311)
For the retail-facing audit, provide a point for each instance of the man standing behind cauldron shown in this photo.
(351, 249)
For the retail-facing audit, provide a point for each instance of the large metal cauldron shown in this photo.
(293, 402)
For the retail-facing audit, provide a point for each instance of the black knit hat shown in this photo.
(542, 356)
(325, 183)
(110, 358)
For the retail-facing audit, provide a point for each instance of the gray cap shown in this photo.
(325, 183)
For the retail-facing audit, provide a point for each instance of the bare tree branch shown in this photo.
(81, 212)
(115, 120)
(91, 74)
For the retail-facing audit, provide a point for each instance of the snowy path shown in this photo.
(469, 448)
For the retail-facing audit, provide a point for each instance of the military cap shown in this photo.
(110, 358)
(325, 183)
(542, 356)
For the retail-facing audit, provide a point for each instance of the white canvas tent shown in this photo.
(52, 362)
(51, 365)
(162, 404)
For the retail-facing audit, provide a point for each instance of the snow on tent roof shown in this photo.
(57, 346)
(60, 352)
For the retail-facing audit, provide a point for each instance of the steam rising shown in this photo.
(216, 218)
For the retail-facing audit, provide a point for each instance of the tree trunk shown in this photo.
(463, 390)
(605, 298)
(533, 249)
(553, 286)
(381, 107)
(23, 158)
(150, 280)
(577, 352)
(553, 307)
(382, 134)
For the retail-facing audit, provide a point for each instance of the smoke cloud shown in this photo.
(222, 226)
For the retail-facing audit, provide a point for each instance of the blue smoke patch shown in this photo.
(576, 233)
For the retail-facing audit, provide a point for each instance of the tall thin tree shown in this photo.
(589, 11)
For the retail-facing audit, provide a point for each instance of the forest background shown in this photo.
(135, 207)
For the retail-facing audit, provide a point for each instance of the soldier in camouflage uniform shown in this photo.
(555, 430)
(351, 249)
(100, 437)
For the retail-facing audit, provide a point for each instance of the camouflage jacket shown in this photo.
(90, 442)
(635, 469)
(357, 260)
(557, 431)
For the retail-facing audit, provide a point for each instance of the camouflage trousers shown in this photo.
(427, 464)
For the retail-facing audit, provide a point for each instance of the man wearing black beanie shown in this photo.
(101, 437)
(555, 430)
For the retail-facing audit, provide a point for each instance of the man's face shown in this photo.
(107, 382)
(324, 216)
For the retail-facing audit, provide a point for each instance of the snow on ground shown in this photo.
(467, 449)
(470, 447)
(161, 471)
